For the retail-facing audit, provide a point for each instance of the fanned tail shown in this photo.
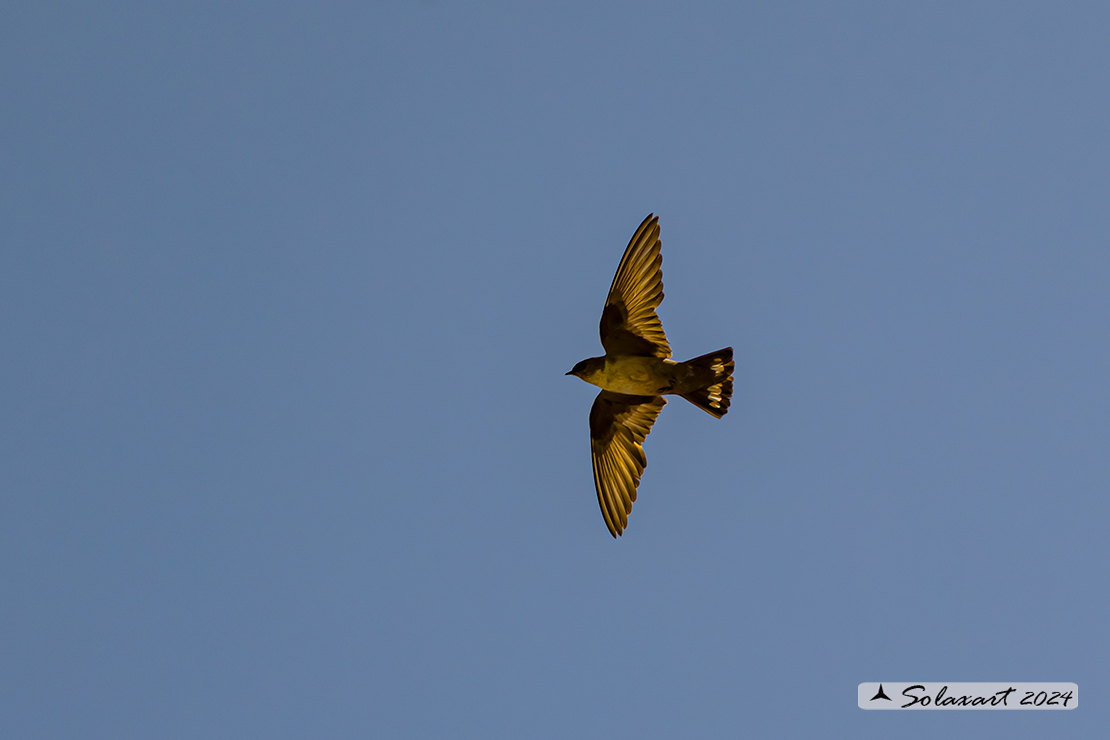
(716, 396)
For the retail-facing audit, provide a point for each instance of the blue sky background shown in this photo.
(287, 295)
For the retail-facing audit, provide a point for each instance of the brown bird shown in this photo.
(636, 372)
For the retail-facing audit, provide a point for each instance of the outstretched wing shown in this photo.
(618, 426)
(629, 324)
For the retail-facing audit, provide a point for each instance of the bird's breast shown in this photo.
(638, 376)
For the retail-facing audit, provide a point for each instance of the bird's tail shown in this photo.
(716, 395)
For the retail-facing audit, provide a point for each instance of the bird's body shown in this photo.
(636, 372)
(645, 376)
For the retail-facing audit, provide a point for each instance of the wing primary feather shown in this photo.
(603, 499)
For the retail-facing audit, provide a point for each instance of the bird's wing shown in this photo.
(629, 324)
(618, 426)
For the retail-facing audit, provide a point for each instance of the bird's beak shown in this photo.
(571, 373)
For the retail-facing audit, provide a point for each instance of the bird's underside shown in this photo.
(650, 376)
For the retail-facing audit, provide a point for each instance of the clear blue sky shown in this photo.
(287, 296)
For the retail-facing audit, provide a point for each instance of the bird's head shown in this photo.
(587, 368)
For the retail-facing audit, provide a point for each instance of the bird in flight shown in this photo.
(636, 372)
